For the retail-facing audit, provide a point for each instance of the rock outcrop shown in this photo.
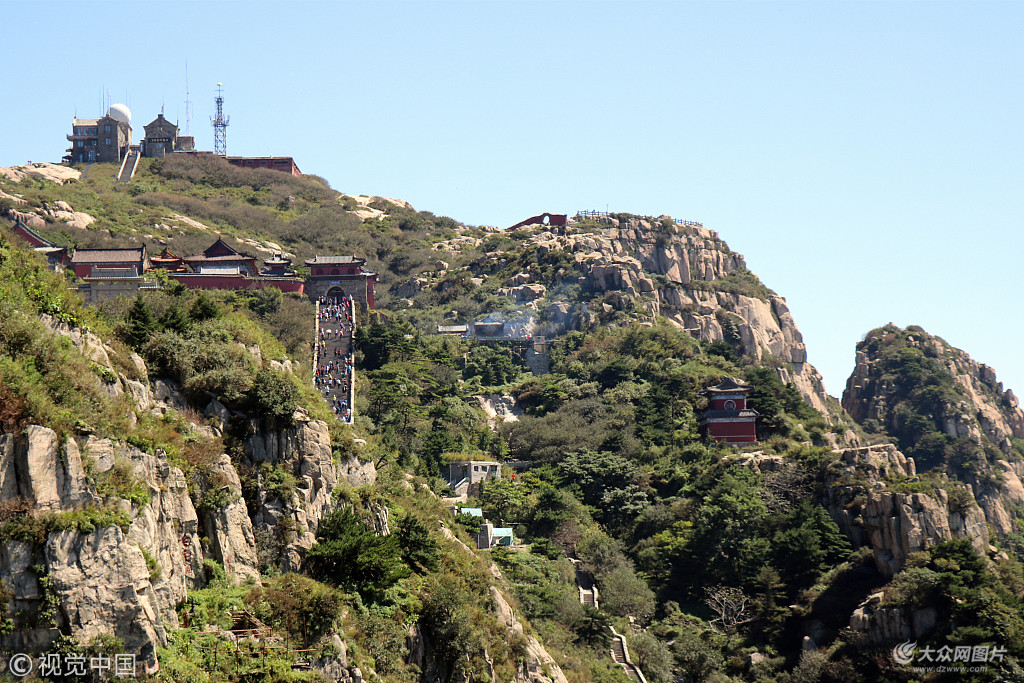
(879, 623)
(973, 405)
(303, 452)
(981, 408)
(683, 273)
(895, 524)
(539, 666)
(500, 408)
(56, 173)
(99, 578)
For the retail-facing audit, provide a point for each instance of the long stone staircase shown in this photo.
(620, 653)
(589, 596)
(334, 368)
(129, 166)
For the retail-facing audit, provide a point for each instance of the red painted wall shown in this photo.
(28, 237)
(236, 282)
(719, 403)
(85, 269)
(733, 432)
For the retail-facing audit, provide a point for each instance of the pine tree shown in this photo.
(176, 320)
(419, 550)
(139, 324)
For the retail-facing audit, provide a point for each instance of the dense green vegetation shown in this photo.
(714, 557)
(921, 395)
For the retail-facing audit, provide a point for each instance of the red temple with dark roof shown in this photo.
(728, 418)
(220, 258)
(85, 260)
(56, 256)
(168, 261)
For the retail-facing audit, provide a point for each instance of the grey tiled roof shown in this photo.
(333, 260)
(108, 255)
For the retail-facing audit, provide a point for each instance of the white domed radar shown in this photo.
(120, 112)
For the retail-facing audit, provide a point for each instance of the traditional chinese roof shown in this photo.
(728, 386)
(31, 236)
(113, 273)
(109, 255)
(277, 260)
(166, 255)
(169, 261)
(334, 260)
(220, 251)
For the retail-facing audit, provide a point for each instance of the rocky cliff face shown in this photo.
(127, 581)
(98, 578)
(901, 373)
(683, 273)
(862, 500)
(977, 407)
(303, 452)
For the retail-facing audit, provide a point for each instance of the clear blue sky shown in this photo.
(865, 157)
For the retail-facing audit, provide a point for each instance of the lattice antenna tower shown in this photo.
(188, 104)
(220, 125)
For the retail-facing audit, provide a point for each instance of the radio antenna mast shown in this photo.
(220, 125)
(188, 104)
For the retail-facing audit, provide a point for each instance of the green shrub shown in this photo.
(120, 481)
(36, 528)
(273, 397)
(155, 571)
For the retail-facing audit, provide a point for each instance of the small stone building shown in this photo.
(491, 536)
(103, 140)
(465, 476)
(728, 418)
(162, 138)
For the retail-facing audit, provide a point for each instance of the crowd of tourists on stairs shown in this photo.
(335, 355)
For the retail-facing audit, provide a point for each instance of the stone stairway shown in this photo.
(589, 596)
(129, 166)
(335, 357)
(621, 655)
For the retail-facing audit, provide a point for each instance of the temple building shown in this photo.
(103, 140)
(168, 261)
(57, 257)
(334, 276)
(728, 418)
(162, 138)
(220, 258)
(85, 261)
(278, 266)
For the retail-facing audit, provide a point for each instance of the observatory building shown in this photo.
(104, 140)
(162, 138)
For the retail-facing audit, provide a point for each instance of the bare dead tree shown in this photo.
(732, 607)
